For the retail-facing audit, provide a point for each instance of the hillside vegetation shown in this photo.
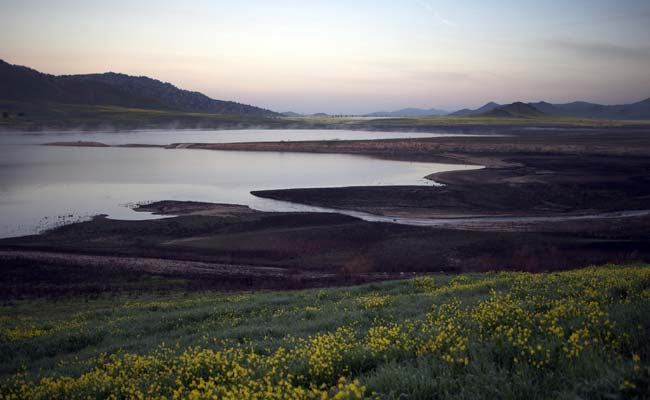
(31, 100)
(61, 116)
(25, 85)
(577, 334)
(578, 109)
(514, 110)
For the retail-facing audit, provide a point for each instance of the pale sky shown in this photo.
(347, 56)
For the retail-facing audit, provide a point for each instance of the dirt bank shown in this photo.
(168, 207)
(333, 244)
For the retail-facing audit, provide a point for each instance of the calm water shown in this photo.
(213, 136)
(42, 186)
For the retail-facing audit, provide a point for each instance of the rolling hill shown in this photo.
(466, 111)
(25, 85)
(638, 110)
(514, 110)
(291, 114)
(581, 109)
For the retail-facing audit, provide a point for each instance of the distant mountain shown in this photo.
(514, 110)
(639, 110)
(408, 112)
(581, 109)
(18, 83)
(291, 114)
(466, 111)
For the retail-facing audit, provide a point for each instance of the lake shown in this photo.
(45, 186)
(208, 136)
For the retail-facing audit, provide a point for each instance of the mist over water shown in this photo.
(207, 136)
(45, 186)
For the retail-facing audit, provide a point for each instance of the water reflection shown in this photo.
(42, 186)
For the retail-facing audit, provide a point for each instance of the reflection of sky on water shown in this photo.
(43, 186)
(208, 136)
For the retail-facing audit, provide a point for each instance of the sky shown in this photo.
(347, 56)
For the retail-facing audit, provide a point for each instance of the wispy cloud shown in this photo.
(444, 21)
(436, 14)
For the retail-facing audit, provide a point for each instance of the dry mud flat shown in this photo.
(544, 185)
(27, 273)
(256, 250)
(167, 207)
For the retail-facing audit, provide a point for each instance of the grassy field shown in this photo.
(76, 116)
(40, 116)
(577, 334)
(442, 121)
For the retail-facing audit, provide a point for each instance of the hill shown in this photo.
(638, 110)
(408, 112)
(514, 110)
(580, 109)
(291, 114)
(25, 85)
(466, 111)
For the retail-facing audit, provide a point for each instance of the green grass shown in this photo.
(574, 334)
(469, 120)
(69, 116)
(479, 120)
(75, 116)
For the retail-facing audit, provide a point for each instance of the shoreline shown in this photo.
(559, 177)
(244, 250)
(529, 176)
(132, 122)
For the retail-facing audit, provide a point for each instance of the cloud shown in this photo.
(602, 50)
(444, 21)
(438, 17)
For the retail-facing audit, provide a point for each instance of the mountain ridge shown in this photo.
(483, 109)
(580, 109)
(517, 109)
(637, 110)
(24, 84)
